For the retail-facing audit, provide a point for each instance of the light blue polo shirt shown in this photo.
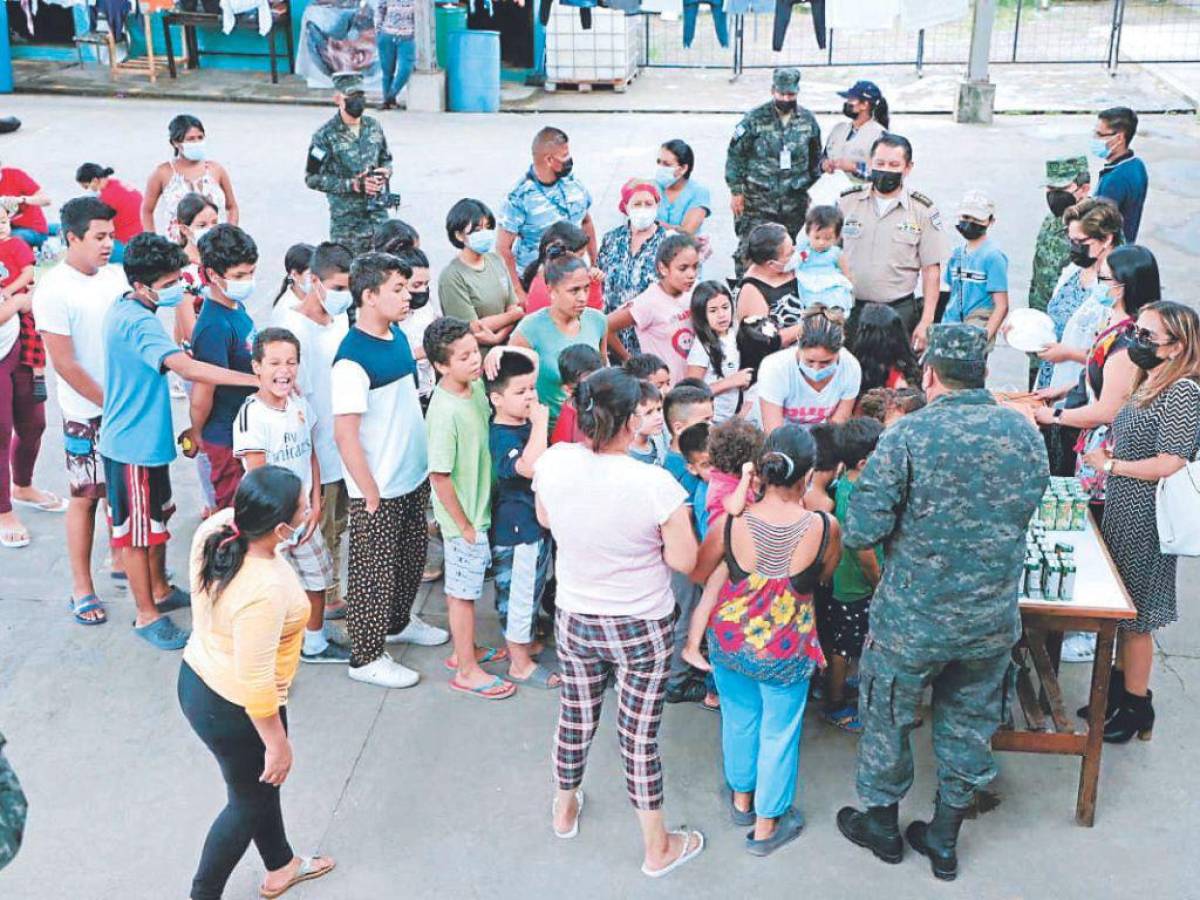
(973, 277)
(531, 207)
(692, 196)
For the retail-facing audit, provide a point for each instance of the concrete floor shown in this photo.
(426, 794)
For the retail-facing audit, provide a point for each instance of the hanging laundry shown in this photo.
(918, 14)
(742, 7)
(783, 17)
(114, 11)
(691, 10)
(862, 15)
(231, 9)
(668, 9)
(585, 8)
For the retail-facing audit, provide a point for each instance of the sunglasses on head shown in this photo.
(831, 313)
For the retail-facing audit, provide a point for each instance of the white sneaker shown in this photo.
(385, 672)
(421, 633)
(1079, 647)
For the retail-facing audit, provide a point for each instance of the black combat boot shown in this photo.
(1116, 695)
(1136, 716)
(938, 839)
(877, 829)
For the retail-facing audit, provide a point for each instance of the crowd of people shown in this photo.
(743, 494)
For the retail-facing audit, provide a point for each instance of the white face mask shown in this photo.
(642, 217)
(196, 151)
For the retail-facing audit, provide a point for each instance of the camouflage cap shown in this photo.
(786, 81)
(348, 82)
(960, 350)
(1066, 170)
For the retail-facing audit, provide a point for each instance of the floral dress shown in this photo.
(1068, 298)
(627, 274)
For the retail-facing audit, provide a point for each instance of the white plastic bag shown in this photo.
(826, 189)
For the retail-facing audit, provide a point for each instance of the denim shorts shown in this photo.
(521, 572)
(466, 565)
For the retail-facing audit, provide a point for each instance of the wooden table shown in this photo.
(190, 21)
(1100, 602)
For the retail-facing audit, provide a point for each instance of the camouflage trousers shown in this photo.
(969, 703)
(789, 214)
(356, 235)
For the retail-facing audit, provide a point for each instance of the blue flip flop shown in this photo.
(163, 634)
(176, 599)
(86, 604)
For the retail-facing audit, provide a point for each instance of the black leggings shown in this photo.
(252, 811)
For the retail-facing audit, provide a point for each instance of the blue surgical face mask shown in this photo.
(336, 302)
(482, 241)
(196, 151)
(239, 291)
(664, 176)
(818, 374)
(1103, 295)
(1099, 148)
(170, 296)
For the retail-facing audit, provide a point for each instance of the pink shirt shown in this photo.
(720, 486)
(664, 327)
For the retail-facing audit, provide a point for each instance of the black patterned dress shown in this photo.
(1169, 424)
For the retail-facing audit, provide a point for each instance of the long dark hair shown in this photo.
(297, 259)
(605, 401)
(786, 456)
(879, 111)
(708, 339)
(558, 238)
(267, 497)
(683, 154)
(178, 128)
(1135, 269)
(880, 345)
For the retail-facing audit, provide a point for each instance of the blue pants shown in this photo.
(33, 238)
(396, 56)
(760, 738)
(691, 9)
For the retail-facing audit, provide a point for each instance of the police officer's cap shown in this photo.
(959, 349)
(863, 90)
(1066, 170)
(786, 81)
(348, 82)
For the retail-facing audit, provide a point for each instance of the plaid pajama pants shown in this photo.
(638, 652)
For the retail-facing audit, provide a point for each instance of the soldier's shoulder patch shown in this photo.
(858, 188)
(920, 198)
(740, 130)
(316, 152)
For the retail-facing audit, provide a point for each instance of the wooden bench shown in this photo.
(190, 21)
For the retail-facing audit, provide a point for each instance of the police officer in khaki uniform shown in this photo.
(849, 146)
(893, 241)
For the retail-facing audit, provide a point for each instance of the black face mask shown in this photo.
(567, 165)
(417, 299)
(971, 230)
(1059, 201)
(849, 111)
(785, 106)
(885, 180)
(1080, 255)
(1145, 356)
(355, 106)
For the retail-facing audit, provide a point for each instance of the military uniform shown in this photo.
(13, 808)
(772, 164)
(949, 492)
(337, 156)
(886, 252)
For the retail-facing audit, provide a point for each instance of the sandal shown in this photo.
(175, 599)
(538, 678)
(86, 604)
(337, 611)
(306, 871)
(14, 538)
(490, 654)
(567, 835)
(496, 689)
(845, 718)
(52, 504)
(163, 634)
(685, 856)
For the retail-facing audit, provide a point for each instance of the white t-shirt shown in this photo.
(284, 435)
(67, 302)
(414, 329)
(318, 347)
(725, 405)
(374, 378)
(606, 513)
(9, 332)
(780, 382)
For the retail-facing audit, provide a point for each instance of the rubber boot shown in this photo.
(877, 829)
(1116, 695)
(938, 839)
(1136, 716)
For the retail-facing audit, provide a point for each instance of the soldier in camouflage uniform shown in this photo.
(1067, 182)
(12, 810)
(773, 159)
(949, 492)
(349, 161)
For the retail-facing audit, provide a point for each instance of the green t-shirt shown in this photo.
(544, 338)
(470, 294)
(458, 445)
(849, 582)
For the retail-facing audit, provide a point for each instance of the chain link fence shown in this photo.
(1102, 32)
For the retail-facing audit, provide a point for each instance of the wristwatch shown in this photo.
(1058, 411)
(1108, 465)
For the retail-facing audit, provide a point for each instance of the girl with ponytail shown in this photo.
(248, 616)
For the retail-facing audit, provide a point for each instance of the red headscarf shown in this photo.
(631, 187)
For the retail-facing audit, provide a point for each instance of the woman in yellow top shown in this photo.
(248, 615)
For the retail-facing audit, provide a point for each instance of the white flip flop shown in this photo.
(57, 505)
(685, 857)
(567, 835)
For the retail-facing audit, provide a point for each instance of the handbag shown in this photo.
(1177, 510)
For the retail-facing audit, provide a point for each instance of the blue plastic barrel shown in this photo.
(473, 71)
